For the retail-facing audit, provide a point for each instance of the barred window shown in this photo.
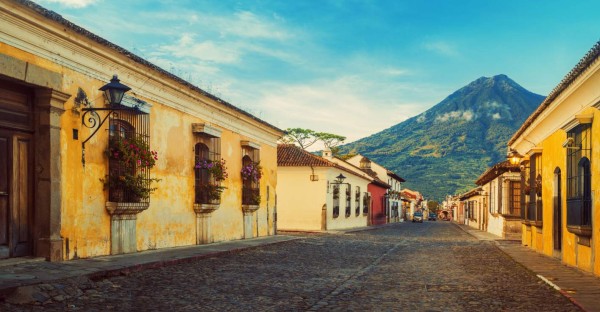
(579, 205)
(336, 200)
(251, 175)
(366, 203)
(357, 201)
(514, 200)
(130, 158)
(348, 200)
(207, 160)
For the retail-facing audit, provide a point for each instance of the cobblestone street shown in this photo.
(433, 266)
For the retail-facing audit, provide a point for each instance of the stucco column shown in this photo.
(49, 107)
(203, 222)
(248, 219)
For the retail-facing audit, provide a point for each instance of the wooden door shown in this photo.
(15, 194)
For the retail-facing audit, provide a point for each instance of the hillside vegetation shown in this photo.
(443, 150)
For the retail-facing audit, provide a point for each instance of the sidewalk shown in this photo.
(19, 272)
(582, 288)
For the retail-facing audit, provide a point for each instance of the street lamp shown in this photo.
(514, 157)
(339, 180)
(114, 92)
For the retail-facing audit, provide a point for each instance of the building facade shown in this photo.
(474, 209)
(560, 166)
(82, 177)
(392, 199)
(501, 189)
(312, 198)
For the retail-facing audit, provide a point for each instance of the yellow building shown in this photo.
(311, 197)
(84, 176)
(560, 162)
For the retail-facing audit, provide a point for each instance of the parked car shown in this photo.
(432, 216)
(417, 217)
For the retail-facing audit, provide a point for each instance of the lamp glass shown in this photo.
(114, 91)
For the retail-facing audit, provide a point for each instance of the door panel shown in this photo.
(4, 196)
(21, 196)
(15, 194)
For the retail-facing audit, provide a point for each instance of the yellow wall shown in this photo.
(554, 156)
(170, 219)
(300, 200)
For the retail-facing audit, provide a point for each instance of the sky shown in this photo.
(347, 67)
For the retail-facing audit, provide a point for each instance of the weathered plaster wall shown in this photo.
(170, 219)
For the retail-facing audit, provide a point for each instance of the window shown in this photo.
(514, 198)
(251, 175)
(357, 201)
(130, 158)
(348, 201)
(493, 191)
(366, 203)
(579, 206)
(336, 200)
(207, 184)
(531, 179)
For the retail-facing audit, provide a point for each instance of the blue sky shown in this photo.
(351, 68)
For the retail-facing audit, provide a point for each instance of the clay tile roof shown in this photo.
(495, 171)
(293, 156)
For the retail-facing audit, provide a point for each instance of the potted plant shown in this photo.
(128, 180)
(252, 172)
(210, 192)
(216, 168)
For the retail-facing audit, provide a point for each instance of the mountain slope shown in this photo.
(443, 150)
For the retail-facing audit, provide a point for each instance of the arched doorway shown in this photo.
(557, 213)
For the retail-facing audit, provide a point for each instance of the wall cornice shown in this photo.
(26, 30)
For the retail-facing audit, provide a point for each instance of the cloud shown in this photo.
(441, 47)
(207, 51)
(73, 3)
(395, 72)
(455, 115)
(343, 106)
(421, 118)
(496, 116)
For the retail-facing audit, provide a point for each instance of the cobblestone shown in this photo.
(432, 266)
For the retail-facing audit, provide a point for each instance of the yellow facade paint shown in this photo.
(170, 219)
(577, 103)
(301, 201)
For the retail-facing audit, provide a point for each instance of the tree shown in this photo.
(303, 137)
(306, 137)
(331, 141)
(433, 206)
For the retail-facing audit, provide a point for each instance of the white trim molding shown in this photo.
(580, 119)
